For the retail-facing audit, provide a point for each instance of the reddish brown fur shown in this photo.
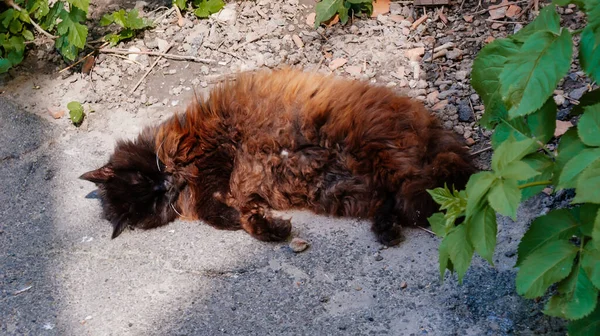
(288, 139)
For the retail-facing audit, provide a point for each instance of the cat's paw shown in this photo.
(392, 236)
(269, 228)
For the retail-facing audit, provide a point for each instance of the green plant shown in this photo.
(327, 9)
(202, 8)
(128, 20)
(76, 112)
(516, 77)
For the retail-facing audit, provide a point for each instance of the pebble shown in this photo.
(298, 245)
(461, 75)
(578, 93)
(464, 112)
(378, 257)
(559, 99)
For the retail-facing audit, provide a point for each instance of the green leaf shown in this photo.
(589, 52)
(460, 250)
(511, 150)
(487, 67)
(5, 64)
(7, 17)
(588, 184)
(589, 126)
(444, 258)
(596, 232)
(542, 164)
(477, 188)
(24, 16)
(591, 263)
(574, 167)
(438, 224)
(547, 265)
(68, 50)
(576, 299)
(179, 3)
(75, 112)
(516, 128)
(518, 170)
(343, 12)
(542, 122)
(548, 20)
(586, 215)
(569, 146)
(589, 98)
(49, 21)
(556, 225)
(325, 10)
(106, 20)
(504, 197)
(28, 35)
(77, 33)
(587, 326)
(530, 76)
(15, 26)
(482, 230)
(81, 4)
(136, 22)
(208, 7)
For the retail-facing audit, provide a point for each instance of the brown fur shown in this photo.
(281, 140)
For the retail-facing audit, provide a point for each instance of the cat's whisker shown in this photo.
(177, 212)
(157, 150)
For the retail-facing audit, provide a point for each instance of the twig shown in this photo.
(165, 14)
(506, 22)
(127, 58)
(23, 290)
(481, 150)
(37, 27)
(82, 59)
(418, 22)
(148, 72)
(426, 230)
(227, 52)
(498, 6)
(177, 57)
(525, 10)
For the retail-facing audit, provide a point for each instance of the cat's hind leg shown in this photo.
(386, 224)
(256, 219)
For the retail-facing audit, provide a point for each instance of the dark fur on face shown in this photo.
(282, 140)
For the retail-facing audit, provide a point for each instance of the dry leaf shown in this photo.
(498, 13)
(88, 64)
(310, 19)
(380, 7)
(56, 114)
(468, 18)
(298, 41)
(333, 20)
(414, 54)
(513, 11)
(562, 127)
(336, 63)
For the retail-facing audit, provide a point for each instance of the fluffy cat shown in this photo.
(276, 140)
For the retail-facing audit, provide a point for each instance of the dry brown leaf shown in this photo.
(298, 41)
(310, 19)
(380, 7)
(88, 64)
(498, 13)
(562, 127)
(336, 63)
(468, 18)
(513, 11)
(333, 20)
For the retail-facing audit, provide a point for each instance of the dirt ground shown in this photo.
(60, 274)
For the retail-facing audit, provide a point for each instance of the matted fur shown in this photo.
(280, 140)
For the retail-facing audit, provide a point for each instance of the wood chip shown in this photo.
(298, 41)
(310, 19)
(562, 127)
(380, 7)
(336, 63)
(513, 11)
(418, 22)
(443, 16)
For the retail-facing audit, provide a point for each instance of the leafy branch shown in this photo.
(516, 77)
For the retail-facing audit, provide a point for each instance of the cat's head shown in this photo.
(133, 187)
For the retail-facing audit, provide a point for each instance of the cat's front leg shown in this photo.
(385, 224)
(257, 220)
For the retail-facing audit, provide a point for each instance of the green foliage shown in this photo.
(327, 9)
(202, 8)
(75, 112)
(128, 20)
(516, 77)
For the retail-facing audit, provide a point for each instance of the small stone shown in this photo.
(298, 245)
(440, 105)
(454, 54)
(470, 142)
(56, 114)
(378, 257)
(461, 75)
(162, 45)
(414, 54)
(464, 112)
(559, 99)
(422, 84)
(432, 98)
(468, 18)
(459, 129)
(547, 191)
(403, 284)
(577, 93)
(298, 41)
(291, 28)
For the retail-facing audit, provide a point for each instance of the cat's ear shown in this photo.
(118, 228)
(100, 175)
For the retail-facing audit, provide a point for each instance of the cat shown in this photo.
(284, 139)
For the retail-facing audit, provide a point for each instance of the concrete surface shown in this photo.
(60, 274)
